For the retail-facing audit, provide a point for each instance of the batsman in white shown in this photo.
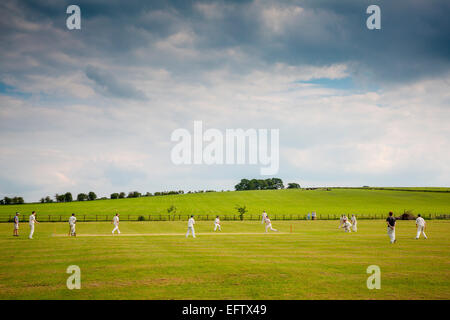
(269, 224)
(264, 217)
(421, 224)
(72, 222)
(115, 221)
(354, 223)
(32, 222)
(217, 224)
(191, 223)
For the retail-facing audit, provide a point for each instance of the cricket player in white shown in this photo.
(217, 224)
(191, 223)
(354, 223)
(264, 217)
(72, 222)
(32, 222)
(347, 225)
(16, 225)
(391, 227)
(420, 223)
(341, 221)
(116, 223)
(269, 225)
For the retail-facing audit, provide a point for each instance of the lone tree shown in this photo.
(293, 185)
(92, 196)
(68, 197)
(172, 209)
(241, 210)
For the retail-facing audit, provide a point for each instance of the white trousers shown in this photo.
(31, 231)
(421, 229)
(116, 228)
(269, 226)
(190, 229)
(354, 227)
(391, 234)
(216, 225)
(72, 229)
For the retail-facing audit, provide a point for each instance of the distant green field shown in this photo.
(153, 260)
(275, 202)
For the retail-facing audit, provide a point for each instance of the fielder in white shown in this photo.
(354, 223)
(341, 221)
(115, 221)
(391, 227)
(217, 224)
(269, 225)
(16, 225)
(264, 217)
(72, 222)
(347, 225)
(32, 222)
(421, 224)
(191, 223)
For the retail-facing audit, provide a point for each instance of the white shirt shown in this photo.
(268, 221)
(72, 220)
(191, 222)
(116, 220)
(264, 215)
(217, 221)
(353, 219)
(420, 222)
(32, 219)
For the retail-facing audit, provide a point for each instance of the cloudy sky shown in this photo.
(94, 109)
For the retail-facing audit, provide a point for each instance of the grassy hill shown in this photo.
(335, 201)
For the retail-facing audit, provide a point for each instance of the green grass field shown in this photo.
(336, 201)
(153, 260)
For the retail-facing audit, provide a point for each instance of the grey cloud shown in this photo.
(107, 84)
(414, 41)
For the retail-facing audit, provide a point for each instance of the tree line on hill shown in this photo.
(267, 184)
(67, 197)
(15, 200)
(245, 184)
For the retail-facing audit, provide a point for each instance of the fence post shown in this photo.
(96, 218)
